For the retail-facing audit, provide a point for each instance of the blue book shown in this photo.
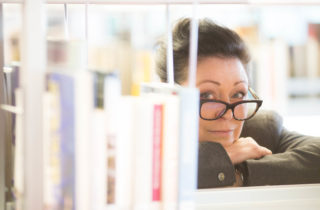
(64, 86)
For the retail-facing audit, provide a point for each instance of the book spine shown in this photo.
(188, 147)
(51, 171)
(156, 155)
(124, 160)
(143, 154)
(68, 141)
(170, 153)
(112, 93)
(83, 122)
(60, 142)
(97, 155)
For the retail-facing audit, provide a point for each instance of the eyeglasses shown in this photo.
(241, 110)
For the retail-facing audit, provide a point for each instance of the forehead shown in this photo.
(222, 70)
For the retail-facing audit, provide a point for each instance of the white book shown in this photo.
(83, 122)
(170, 147)
(142, 193)
(98, 159)
(112, 94)
(125, 154)
(312, 57)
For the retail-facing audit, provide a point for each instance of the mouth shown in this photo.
(221, 132)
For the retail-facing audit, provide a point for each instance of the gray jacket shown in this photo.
(295, 158)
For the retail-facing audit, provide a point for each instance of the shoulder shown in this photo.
(266, 118)
(265, 127)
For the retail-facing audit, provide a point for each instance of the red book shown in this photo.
(156, 155)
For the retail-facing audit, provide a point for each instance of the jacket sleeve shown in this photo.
(295, 158)
(215, 168)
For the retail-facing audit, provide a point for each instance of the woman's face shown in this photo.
(221, 79)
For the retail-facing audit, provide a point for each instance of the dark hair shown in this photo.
(213, 40)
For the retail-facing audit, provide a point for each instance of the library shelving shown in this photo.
(33, 65)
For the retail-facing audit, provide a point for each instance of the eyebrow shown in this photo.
(241, 81)
(218, 83)
(209, 81)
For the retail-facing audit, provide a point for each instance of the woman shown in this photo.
(237, 146)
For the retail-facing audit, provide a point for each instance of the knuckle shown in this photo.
(255, 149)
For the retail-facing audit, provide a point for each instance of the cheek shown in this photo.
(238, 129)
(202, 127)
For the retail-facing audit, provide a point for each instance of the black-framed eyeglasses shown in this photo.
(241, 110)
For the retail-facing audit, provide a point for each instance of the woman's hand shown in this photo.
(244, 149)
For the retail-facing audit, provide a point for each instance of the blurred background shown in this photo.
(283, 40)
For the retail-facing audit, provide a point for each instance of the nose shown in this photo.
(228, 115)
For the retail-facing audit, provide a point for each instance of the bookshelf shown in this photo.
(33, 85)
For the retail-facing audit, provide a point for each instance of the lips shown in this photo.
(221, 132)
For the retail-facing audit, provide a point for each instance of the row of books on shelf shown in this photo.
(104, 150)
(280, 70)
(302, 56)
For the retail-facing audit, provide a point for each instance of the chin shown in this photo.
(225, 142)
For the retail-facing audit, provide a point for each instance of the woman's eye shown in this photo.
(206, 95)
(240, 95)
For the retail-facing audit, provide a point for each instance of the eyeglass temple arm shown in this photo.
(253, 93)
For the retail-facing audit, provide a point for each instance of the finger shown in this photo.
(265, 151)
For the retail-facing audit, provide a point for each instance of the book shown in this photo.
(112, 93)
(125, 154)
(66, 143)
(170, 152)
(98, 80)
(274, 59)
(157, 138)
(143, 134)
(299, 59)
(313, 50)
(98, 159)
(83, 118)
(51, 161)
(142, 71)
(59, 168)
(188, 147)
